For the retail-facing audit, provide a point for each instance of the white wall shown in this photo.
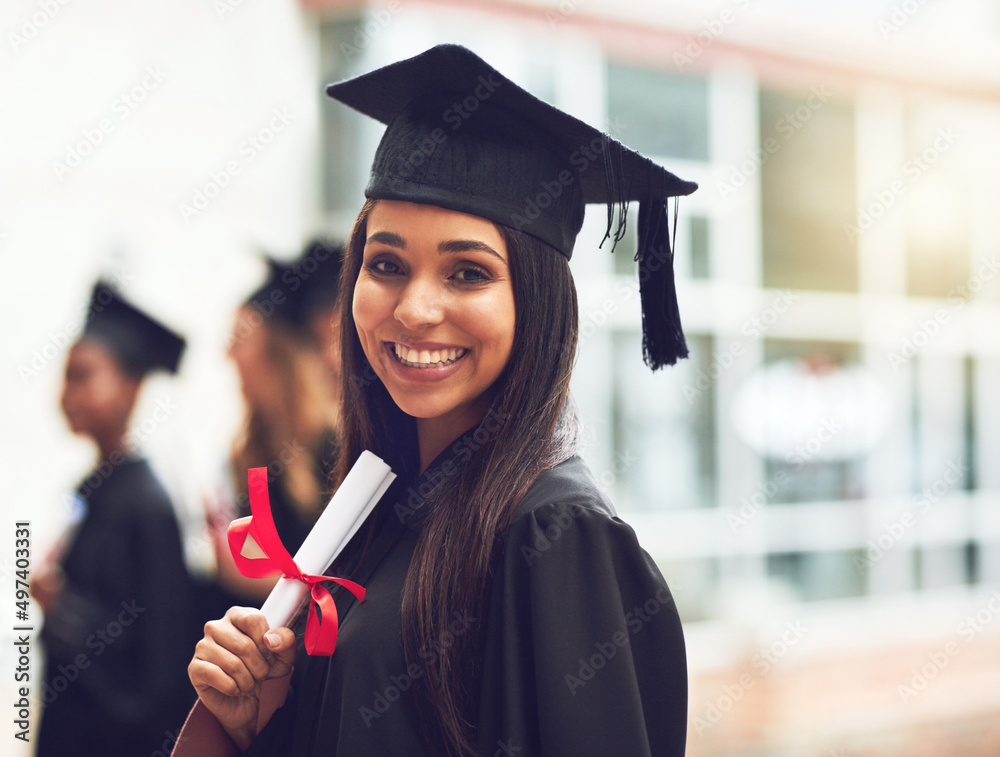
(179, 88)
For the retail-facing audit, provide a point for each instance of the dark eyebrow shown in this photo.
(465, 245)
(387, 237)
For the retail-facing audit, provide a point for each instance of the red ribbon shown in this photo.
(322, 625)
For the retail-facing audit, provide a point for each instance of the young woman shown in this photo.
(118, 605)
(508, 610)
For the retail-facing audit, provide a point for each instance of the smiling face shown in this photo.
(434, 310)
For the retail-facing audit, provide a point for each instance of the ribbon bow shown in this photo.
(322, 625)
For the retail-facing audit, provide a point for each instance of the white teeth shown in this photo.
(427, 358)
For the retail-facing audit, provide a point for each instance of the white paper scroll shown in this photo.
(354, 500)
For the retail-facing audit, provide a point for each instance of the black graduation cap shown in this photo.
(140, 343)
(298, 290)
(462, 136)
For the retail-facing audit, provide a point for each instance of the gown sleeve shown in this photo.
(584, 652)
(134, 637)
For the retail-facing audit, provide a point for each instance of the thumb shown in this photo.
(281, 643)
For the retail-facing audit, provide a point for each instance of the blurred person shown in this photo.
(508, 609)
(319, 271)
(118, 604)
(289, 371)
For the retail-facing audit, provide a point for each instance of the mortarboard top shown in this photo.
(140, 343)
(298, 290)
(464, 137)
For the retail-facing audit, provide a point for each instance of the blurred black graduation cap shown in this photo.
(462, 136)
(140, 343)
(299, 290)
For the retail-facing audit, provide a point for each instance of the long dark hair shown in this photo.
(532, 427)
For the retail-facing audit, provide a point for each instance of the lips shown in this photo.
(426, 358)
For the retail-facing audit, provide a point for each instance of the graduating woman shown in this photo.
(119, 615)
(509, 611)
(289, 371)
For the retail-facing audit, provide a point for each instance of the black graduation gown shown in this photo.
(584, 653)
(118, 643)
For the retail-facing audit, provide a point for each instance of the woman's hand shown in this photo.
(231, 663)
(47, 586)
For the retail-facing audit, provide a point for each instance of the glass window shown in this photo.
(807, 192)
(664, 427)
(692, 241)
(938, 225)
(698, 244)
(817, 576)
(658, 113)
(341, 127)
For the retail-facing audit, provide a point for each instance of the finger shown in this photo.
(232, 649)
(252, 623)
(239, 676)
(206, 676)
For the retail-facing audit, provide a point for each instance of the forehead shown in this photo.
(430, 226)
(91, 354)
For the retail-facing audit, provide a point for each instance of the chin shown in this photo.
(420, 408)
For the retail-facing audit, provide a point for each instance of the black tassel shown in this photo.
(617, 191)
(662, 337)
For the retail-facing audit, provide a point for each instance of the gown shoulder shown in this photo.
(584, 650)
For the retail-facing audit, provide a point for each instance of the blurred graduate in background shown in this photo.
(285, 346)
(118, 601)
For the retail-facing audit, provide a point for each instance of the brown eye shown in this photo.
(384, 267)
(472, 275)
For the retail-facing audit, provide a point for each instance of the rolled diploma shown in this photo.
(351, 504)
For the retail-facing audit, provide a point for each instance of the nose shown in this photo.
(421, 304)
